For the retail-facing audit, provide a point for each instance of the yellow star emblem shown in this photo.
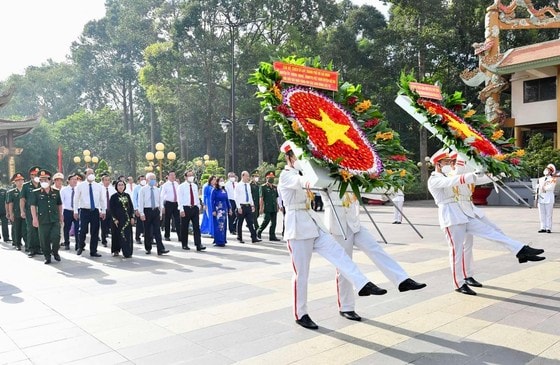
(333, 131)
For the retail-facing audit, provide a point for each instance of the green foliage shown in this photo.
(539, 153)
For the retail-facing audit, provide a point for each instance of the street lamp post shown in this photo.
(226, 124)
(159, 156)
(88, 158)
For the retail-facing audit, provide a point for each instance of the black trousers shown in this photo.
(5, 229)
(89, 218)
(191, 216)
(232, 220)
(171, 211)
(106, 226)
(68, 222)
(139, 228)
(246, 214)
(151, 229)
(269, 217)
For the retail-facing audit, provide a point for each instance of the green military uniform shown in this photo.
(269, 194)
(255, 193)
(48, 212)
(32, 243)
(19, 227)
(3, 217)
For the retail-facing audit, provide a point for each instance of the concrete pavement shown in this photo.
(233, 304)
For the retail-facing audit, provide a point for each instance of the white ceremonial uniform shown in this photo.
(457, 224)
(545, 200)
(356, 234)
(305, 233)
(398, 202)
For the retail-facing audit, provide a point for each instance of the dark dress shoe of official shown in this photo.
(163, 252)
(95, 254)
(371, 289)
(529, 254)
(47, 261)
(274, 239)
(80, 250)
(306, 322)
(255, 241)
(410, 284)
(67, 247)
(18, 248)
(148, 252)
(31, 254)
(56, 256)
(470, 281)
(351, 315)
(201, 248)
(465, 290)
(542, 231)
(548, 231)
(186, 248)
(240, 240)
(104, 244)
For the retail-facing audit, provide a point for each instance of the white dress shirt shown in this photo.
(242, 194)
(129, 188)
(167, 194)
(184, 195)
(66, 196)
(134, 195)
(230, 189)
(145, 199)
(112, 191)
(81, 197)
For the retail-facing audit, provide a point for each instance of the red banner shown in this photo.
(426, 91)
(307, 76)
(59, 155)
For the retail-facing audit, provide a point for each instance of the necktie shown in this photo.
(192, 195)
(91, 201)
(233, 184)
(246, 194)
(153, 198)
(72, 199)
(107, 192)
(174, 192)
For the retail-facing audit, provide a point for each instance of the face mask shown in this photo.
(152, 183)
(256, 179)
(190, 179)
(545, 172)
(232, 179)
(35, 179)
(270, 180)
(446, 169)
(90, 177)
(143, 182)
(45, 184)
(222, 184)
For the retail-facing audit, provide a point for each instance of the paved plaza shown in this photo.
(232, 305)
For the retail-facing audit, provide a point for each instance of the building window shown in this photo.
(539, 90)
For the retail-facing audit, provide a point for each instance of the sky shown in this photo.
(34, 31)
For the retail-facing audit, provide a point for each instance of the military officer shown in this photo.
(269, 206)
(3, 216)
(545, 197)
(46, 212)
(19, 228)
(256, 194)
(25, 207)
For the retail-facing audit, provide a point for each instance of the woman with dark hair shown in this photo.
(122, 212)
(207, 226)
(220, 209)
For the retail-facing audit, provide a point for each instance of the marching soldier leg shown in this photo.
(300, 251)
(346, 300)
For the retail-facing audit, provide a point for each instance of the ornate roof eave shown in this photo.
(508, 70)
(19, 127)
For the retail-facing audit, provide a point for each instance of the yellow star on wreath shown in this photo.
(333, 131)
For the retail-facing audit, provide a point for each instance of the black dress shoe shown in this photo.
(351, 315)
(163, 252)
(66, 247)
(306, 322)
(47, 261)
(167, 238)
(80, 250)
(240, 240)
(18, 248)
(465, 290)
(186, 248)
(548, 231)
(31, 254)
(201, 248)
(104, 244)
(410, 284)
(148, 252)
(255, 241)
(274, 239)
(95, 254)
(56, 256)
(470, 281)
(371, 289)
(529, 254)
(542, 231)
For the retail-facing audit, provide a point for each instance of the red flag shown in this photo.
(59, 155)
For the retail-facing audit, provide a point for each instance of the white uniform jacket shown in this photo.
(546, 190)
(300, 221)
(349, 218)
(441, 188)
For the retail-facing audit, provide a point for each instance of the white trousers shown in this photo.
(326, 246)
(366, 242)
(468, 258)
(456, 235)
(397, 216)
(545, 215)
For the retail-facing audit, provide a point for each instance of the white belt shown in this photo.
(447, 201)
(298, 206)
(464, 198)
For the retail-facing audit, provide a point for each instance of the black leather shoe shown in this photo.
(167, 238)
(80, 250)
(306, 322)
(186, 248)
(274, 239)
(148, 252)
(255, 241)
(201, 248)
(31, 254)
(351, 315)
(56, 256)
(371, 289)
(529, 254)
(542, 231)
(67, 247)
(410, 284)
(548, 231)
(104, 244)
(163, 252)
(470, 281)
(47, 261)
(465, 290)
(240, 240)
(530, 258)
(94, 254)
(18, 248)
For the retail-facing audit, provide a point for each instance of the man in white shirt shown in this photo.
(108, 190)
(245, 207)
(545, 197)
(129, 184)
(149, 206)
(230, 190)
(89, 206)
(67, 195)
(189, 208)
(139, 224)
(170, 206)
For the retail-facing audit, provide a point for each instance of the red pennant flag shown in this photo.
(59, 155)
